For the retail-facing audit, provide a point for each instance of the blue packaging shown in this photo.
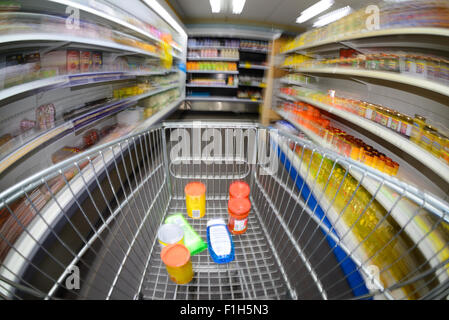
(219, 241)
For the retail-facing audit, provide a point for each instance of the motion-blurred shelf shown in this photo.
(382, 75)
(372, 34)
(423, 156)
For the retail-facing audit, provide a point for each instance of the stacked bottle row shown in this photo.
(430, 138)
(213, 53)
(345, 144)
(211, 66)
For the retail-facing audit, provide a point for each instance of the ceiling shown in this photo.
(279, 14)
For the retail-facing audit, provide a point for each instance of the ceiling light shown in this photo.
(314, 10)
(237, 6)
(215, 5)
(332, 16)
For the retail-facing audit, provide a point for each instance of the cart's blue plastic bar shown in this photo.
(348, 266)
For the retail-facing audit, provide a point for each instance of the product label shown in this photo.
(240, 225)
(196, 213)
(219, 240)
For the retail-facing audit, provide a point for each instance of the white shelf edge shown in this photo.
(401, 212)
(42, 36)
(62, 79)
(383, 75)
(423, 156)
(224, 99)
(371, 34)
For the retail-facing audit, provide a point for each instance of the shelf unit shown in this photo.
(401, 211)
(32, 152)
(212, 59)
(214, 95)
(371, 34)
(420, 172)
(212, 72)
(73, 80)
(426, 158)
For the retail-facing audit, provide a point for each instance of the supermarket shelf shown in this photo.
(423, 156)
(402, 211)
(211, 47)
(371, 34)
(72, 80)
(38, 38)
(213, 59)
(382, 75)
(58, 206)
(222, 99)
(294, 83)
(210, 86)
(74, 124)
(158, 116)
(254, 50)
(212, 71)
(252, 66)
(108, 18)
(255, 84)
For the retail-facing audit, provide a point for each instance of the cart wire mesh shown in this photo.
(321, 226)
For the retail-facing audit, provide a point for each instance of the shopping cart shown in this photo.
(321, 226)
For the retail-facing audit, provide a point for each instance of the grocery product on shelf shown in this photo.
(45, 116)
(418, 65)
(238, 209)
(254, 81)
(416, 129)
(256, 45)
(170, 233)
(219, 241)
(192, 240)
(64, 153)
(249, 94)
(313, 122)
(213, 53)
(213, 42)
(195, 193)
(401, 14)
(176, 258)
(211, 66)
(91, 137)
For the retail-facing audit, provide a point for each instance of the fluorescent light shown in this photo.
(153, 4)
(332, 16)
(237, 6)
(314, 10)
(215, 5)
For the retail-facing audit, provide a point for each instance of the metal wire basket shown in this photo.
(321, 226)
